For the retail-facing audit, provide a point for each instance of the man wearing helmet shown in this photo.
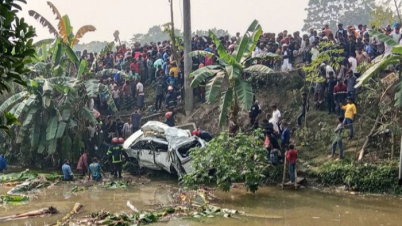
(115, 156)
(171, 98)
(202, 134)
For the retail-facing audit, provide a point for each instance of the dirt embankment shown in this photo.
(313, 142)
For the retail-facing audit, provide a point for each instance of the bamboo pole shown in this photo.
(284, 172)
(295, 178)
(77, 207)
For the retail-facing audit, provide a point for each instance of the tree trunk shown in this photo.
(368, 138)
(175, 52)
(397, 11)
(189, 102)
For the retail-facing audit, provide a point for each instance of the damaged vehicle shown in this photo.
(157, 146)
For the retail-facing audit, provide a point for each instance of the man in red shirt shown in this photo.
(291, 158)
(340, 94)
(122, 49)
(135, 67)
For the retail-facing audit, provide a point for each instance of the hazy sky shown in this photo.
(137, 16)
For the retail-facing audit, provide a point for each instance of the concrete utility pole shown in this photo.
(188, 64)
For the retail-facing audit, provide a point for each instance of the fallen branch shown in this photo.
(35, 213)
(368, 138)
(77, 207)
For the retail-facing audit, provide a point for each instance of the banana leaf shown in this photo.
(51, 128)
(52, 177)
(11, 199)
(116, 184)
(76, 189)
(82, 69)
(21, 176)
(51, 148)
(11, 101)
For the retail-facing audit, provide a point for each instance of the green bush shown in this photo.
(273, 174)
(363, 177)
(239, 158)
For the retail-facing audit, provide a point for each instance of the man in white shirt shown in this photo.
(328, 69)
(140, 95)
(314, 51)
(276, 118)
(116, 97)
(352, 63)
(258, 50)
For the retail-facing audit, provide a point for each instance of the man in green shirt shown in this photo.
(95, 170)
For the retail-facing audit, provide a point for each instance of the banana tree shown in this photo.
(226, 79)
(53, 114)
(65, 30)
(64, 35)
(394, 57)
(383, 61)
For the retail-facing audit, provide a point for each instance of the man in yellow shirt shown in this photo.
(350, 112)
(174, 70)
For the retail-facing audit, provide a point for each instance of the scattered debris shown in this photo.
(27, 175)
(132, 207)
(116, 184)
(77, 207)
(76, 189)
(35, 213)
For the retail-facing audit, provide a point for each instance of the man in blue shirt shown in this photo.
(3, 163)
(369, 50)
(95, 170)
(166, 55)
(165, 66)
(67, 173)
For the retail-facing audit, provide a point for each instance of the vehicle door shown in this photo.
(162, 158)
(183, 152)
(145, 155)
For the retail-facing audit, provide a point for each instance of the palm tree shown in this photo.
(227, 78)
(65, 30)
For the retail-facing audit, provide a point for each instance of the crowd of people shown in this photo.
(337, 86)
(154, 66)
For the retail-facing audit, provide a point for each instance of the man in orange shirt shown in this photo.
(327, 31)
